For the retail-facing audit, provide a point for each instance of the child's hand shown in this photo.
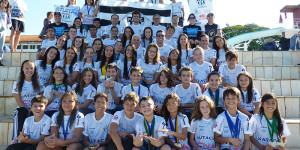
(158, 108)
(123, 134)
(22, 137)
(166, 131)
(59, 94)
(111, 84)
(106, 84)
(139, 137)
(155, 142)
(50, 141)
(279, 147)
(269, 147)
(51, 94)
(236, 142)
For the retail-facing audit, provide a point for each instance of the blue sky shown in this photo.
(232, 12)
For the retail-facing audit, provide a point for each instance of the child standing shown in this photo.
(177, 123)
(147, 129)
(96, 125)
(66, 126)
(187, 91)
(268, 122)
(121, 126)
(87, 14)
(203, 119)
(178, 9)
(250, 98)
(214, 91)
(5, 22)
(36, 127)
(232, 128)
(230, 71)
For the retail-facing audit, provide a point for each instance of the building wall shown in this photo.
(296, 16)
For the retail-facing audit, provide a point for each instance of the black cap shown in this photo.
(57, 13)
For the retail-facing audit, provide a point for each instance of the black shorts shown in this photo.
(17, 25)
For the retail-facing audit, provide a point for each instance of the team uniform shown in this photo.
(186, 56)
(222, 128)
(87, 14)
(120, 65)
(97, 130)
(188, 95)
(75, 67)
(78, 123)
(230, 76)
(44, 74)
(149, 69)
(260, 130)
(118, 88)
(178, 31)
(108, 28)
(172, 42)
(183, 122)
(126, 124)
(138, 29)
(47, 43)
(174, 70)
(54, 105)
(101, 70)
(201, 71)
(83, 65)
(244, 101)
(204, 134)
(90, 40)
(165, 50)
(110, 42)
(140, 90)
(209, 54)
(156, 28)
(88, 94)
(213, 97)
(158, 93)
(222, 59)
(61, 54)
(35, 129)
(17, 12)
(141, 51)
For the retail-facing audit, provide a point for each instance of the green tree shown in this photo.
(255, 44)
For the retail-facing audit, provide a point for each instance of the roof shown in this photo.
(290, 8)
(26, 38)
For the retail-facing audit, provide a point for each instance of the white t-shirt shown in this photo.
(35, 129)
(149, 69)
(47, 43)
(18, 9)
(141, 51)
(88, 94)
(159, 94)
(61, 54)
(230, 76)
(87, 14)
(156, 28)
(79, 33)
(120, 65)
(27, 93)
(178, 31)
(183, 122)
(75, 67)
(255, 98)
(118, 88)
(44, 75)
(159, 125)
(69, 43)
(108, 28)
(126, 124)
(210, 54)
(222, 59)
(90, 41)
(97, 130)
(201, 71)
(185, 58)
(188, 95)
(259, 127)
(221, 103)
(54, 105)
(174, 70)
(165, 50)
(99, 70)
(78, 123)
(176, 9)
(138, 29)
(98, 34)
(110, 42)
(83, 65)
(172, 42)
(204, 134)
(221, 127)
(140, 90)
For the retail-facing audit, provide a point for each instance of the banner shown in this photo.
(200, 8)
(124, 10)
(68, 14)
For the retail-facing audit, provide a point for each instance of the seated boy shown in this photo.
(122, 124)
(35, 128)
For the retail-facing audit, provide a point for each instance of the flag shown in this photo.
(280, 19)
(285, 13)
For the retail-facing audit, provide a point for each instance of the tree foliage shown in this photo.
(255, 44)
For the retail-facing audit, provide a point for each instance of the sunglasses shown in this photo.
(211, 15)
(160, 35)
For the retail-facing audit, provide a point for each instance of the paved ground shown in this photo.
(2, 147)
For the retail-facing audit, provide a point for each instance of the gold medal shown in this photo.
(273, 144)
(280, 143)
(102, 77)
(178, 145)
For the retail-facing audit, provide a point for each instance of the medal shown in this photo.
(272, 128)
(65, 131)
(216, 97)
(234, 128)
(139, 90)
(175, 129)
(149, 129)
(178, 145)
(102, 77)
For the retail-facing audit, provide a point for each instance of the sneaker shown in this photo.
(1, 64)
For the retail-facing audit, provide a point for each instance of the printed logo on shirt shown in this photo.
(115, 117)
(201, 2)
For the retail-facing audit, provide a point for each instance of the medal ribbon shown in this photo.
(234, 128)
(139, 90)
(103, 69)
(150, 130)
(273, 127)
(175, 129)
(215, 98)
(56, 86)
(65, 131)
(88, 10)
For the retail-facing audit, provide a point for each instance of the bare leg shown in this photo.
(17, 40)
(12, 39)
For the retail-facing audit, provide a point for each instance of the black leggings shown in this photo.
(21, 146)
(127, 144)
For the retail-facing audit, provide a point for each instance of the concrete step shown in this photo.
(274, 72)
(16, 59)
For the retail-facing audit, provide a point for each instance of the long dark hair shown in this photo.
(34, 78)
(124, 38)
(7, 8)
(249, 88)
(188, 46)
(81, 26)
(44, 60)
(65, 80)
(144, 36)
(80, 85)
(103, 58)
(197, 115)
(169, 74)
(65, 45)
(133, 61)
(85, 3)
(99, 52)
(61, 113)
(178, 60)
(82, 47)
(276, 112)
(217, 48)
(164, 111)
(84, 60)
(73, 61)
(156, 59)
